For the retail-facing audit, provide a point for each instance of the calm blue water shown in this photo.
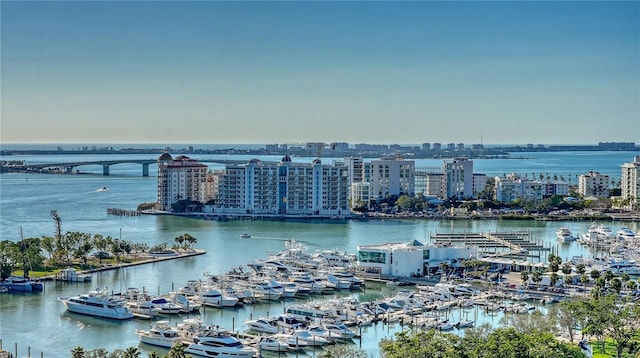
(40, 322)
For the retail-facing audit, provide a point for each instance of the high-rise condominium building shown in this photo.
(630, 181)
(180, 179)
(285, 188)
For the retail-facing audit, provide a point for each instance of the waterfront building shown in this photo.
(179, 179)
(451, 146)
(391, 177)
(426, 146)
(437, 146)
(458, 178)
(479, 183)
(360, 195)
(411, 258)
(594, 184)
(514, 187)
(630, 181)
(356, 167)
(284, 188)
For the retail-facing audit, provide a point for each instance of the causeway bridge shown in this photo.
(68, 167)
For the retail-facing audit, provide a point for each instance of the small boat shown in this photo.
(104, 188)
(263, 325)
(564, 234)
(272, 345)
(21, 284)
(245, 236)
(161, 334)
(142, 308)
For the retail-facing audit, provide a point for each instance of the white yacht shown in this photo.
(625, 233)
(97, 303)
(564, 234)
(263, 325)
(219, 344)
(214, 297)
(161, 334)
(604, 232)
(142, 307)
(165, 306)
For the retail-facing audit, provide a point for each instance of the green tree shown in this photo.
(131, 352)
(178, 351)
(78, 352)
(101, 244)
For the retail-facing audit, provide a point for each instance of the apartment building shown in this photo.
(180, 179)
(594, 184)
(285, 188)
(630, 181)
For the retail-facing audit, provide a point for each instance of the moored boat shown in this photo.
(21, 284)
(97, 303)
(161, 334)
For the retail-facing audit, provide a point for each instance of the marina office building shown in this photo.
(412, 258)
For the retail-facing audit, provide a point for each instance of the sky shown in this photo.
(504, 72)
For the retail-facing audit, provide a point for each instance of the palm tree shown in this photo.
(524, 275)
(131, 352)
(179, 240)
(154, 355)
(566, 270)
(78, 352)
(178, 351)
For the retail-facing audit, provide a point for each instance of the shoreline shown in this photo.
(151, 259)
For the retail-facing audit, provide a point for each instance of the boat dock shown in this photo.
(513, 244)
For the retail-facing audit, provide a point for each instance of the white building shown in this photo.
(389, 177)
(359, 195)
(410, 259)
(630, 181)
(594, 184)
(458, 178)
(284, 188)
(356, 169)
(179, 179)
(479, 184)
(514, 187)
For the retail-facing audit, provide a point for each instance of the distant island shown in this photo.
(341, 149)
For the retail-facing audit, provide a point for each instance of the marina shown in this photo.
(28, 199)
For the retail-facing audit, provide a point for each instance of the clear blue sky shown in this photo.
(276, 72)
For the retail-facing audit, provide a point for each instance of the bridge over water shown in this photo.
(68, 167)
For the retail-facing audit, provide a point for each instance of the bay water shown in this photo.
(40, 324)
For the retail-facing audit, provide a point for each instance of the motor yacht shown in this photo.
(625, 233)
(165, 306)
(97, 303)
(141, 307)
(263, 325)
(219, 343)
(272, 345)
(564, 234)
(214, 297)
(161, 334)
